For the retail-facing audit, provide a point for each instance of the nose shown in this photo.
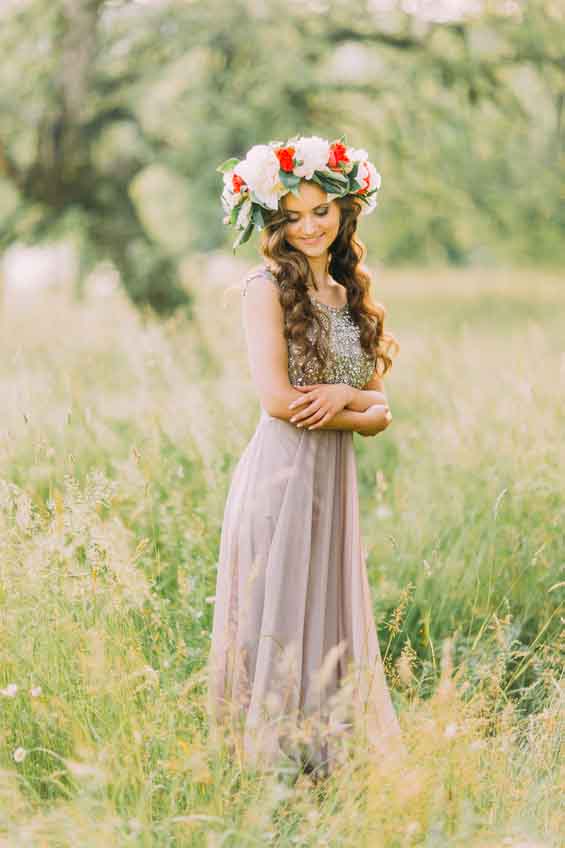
(309, 227)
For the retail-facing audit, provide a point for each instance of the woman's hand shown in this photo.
(320, 403)
(375, 419)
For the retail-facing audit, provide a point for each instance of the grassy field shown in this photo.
(118, 437)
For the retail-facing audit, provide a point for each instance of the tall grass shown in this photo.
(118, 437)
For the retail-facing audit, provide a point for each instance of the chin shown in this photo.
(313, 249)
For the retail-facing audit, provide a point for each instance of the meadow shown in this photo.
(118, 436)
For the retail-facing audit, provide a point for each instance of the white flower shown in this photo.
(10, 691)
(368, 169)
(367, 176)
(314, 153)
(228, 185)
(374, 176)
(229, 196)
(19, 755)
(35, 691)
(357, 155)
(260, 170)
(450, 731)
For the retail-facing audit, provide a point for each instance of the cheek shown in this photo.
(292, 231)
(335, 222)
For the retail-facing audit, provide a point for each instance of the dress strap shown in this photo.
(263, 272)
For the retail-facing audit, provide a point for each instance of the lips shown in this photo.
(312, 240)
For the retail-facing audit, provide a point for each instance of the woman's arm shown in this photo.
(263, 322)
(372, 393)
(347, 419)
(370, 422)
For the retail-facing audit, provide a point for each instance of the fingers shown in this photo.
(323, 420)
(299, 402)
(303, 417)
(313, 418)
(308, 392)
(305, 413)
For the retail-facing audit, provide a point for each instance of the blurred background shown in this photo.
(115, 113)
(126, 402)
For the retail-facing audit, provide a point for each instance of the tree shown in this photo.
(106, 103)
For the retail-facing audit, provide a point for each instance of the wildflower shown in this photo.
(35, 691)
(19, 755)
(10, 691)
(450, 730)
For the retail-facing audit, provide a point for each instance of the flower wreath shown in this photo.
(271, 170)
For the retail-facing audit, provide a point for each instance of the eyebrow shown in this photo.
(297, 211)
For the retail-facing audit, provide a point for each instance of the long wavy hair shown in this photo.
(292, 271)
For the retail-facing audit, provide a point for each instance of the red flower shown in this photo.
(337, 154)
(285, 155)
(237, 182)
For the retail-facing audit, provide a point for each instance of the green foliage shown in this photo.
(462, 118)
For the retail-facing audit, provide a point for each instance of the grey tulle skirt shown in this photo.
(294, 662)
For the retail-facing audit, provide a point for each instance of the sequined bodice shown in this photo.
(347, 362)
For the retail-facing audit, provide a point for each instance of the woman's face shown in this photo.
(312, 221)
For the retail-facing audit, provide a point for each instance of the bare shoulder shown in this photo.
(256, 278)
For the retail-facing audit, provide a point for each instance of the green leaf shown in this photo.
(244, 235)
(338, 178)
(257, 216)
(228, 165)
(353, 172)
(331, 184)
(288, 180)
(235, 211)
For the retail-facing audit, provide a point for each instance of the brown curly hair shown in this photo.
(292, 271)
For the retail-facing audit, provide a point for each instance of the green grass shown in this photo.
(118, 437)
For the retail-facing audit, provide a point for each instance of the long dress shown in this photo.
(293, 623)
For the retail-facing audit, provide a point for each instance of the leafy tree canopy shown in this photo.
(114, 115)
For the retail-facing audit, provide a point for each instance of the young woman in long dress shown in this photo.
(293, 619)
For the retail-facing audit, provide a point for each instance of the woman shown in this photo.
(293, 616)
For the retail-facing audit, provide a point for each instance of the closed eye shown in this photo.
(320, 214)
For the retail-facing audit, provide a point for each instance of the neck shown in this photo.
(319, 267)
